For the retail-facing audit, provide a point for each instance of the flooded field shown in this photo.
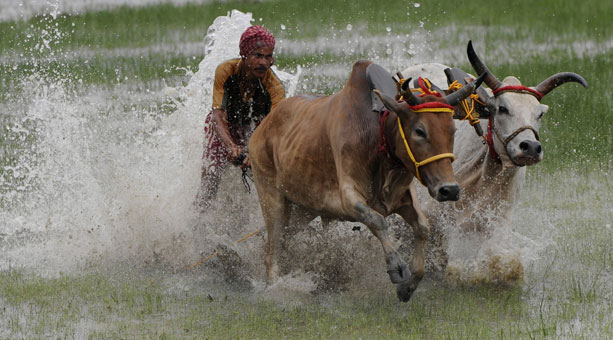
(101, 145)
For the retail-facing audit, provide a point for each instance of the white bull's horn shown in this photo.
(480, 67)
(558, 79)
(456, 97)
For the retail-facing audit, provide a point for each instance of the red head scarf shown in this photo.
(253, 38)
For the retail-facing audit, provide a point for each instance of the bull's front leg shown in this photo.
(275, 210)
(412, 214)
(355, 204)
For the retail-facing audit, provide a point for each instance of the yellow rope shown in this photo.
(244, 238)
(425, 161)
(470, 110)
(400, 82)
(214, 254)
(434, 109)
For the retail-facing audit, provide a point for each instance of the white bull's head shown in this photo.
(516, 112)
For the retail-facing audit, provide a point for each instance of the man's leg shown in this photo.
(215, 161)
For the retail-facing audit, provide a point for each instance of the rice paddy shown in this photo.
(99, 164)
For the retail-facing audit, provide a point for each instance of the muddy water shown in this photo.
(102, 177)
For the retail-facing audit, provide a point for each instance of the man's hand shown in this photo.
(239, 157)
(246, 163)
(235, 153)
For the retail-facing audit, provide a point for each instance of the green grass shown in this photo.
(143, 26)
(116, 305)
(98, 70)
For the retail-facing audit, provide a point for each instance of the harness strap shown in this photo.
(432, 107)
(490, 140)
(519, 89)
(515, 133)
(425, 88)
(383, 114)
(471, 115)
(425, 161)
(383, 142)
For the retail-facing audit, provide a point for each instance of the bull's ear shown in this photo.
(490, 105)
(544, 109)
(389, 102)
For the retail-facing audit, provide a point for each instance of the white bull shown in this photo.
(490, 174)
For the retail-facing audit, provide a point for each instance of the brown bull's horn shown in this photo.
(558, 79)
(408, 95)
(480, 67)
(398, 84)
(456, 97)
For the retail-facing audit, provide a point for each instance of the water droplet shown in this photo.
(388, 51)
(349, 27)
(388, 29)
(417, 5)
(282, 27)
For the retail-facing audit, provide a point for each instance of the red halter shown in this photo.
(519, 89)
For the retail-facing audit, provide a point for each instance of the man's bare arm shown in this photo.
(220, 124)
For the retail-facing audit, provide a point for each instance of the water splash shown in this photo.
(104, 176)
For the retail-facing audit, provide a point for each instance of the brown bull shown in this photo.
(323, 154)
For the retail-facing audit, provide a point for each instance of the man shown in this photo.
(245, 89)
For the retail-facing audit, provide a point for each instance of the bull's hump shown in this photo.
(380, 79)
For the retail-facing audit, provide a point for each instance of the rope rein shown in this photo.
(246, 177)
(432, 107)
(425, 161)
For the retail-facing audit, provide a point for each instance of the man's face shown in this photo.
(258, 62)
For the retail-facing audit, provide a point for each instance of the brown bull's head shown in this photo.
(516, 112)
(420, 134)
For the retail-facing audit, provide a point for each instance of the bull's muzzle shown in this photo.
(448, 192)
(531, 151)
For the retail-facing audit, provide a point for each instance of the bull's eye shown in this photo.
(420, 132)
(503, 110)
(540, 116)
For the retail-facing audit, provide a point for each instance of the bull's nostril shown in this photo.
(539, 149)
(449, 193)
(444, 192)
(524, 146)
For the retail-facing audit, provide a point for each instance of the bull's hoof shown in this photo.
(399, 273)
(404, 290)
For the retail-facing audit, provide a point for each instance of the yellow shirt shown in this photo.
(227, 96)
